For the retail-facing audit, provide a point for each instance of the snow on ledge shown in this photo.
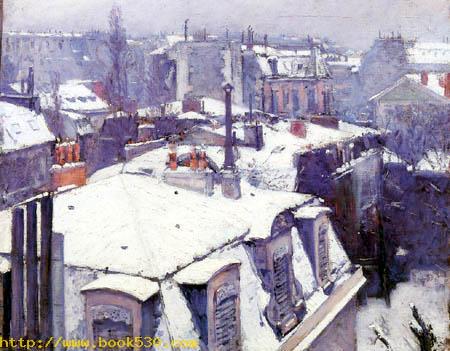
(201, 272)
(311, 212)
(140, 288)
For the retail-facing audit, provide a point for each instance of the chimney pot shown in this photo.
(424, 78)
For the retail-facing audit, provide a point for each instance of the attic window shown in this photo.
(15, 127)
(211, 287)
(299, 66)
(33, 124)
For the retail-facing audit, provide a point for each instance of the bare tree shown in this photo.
(55, 110)
(423, 332)
(417, 132)
(117, 79)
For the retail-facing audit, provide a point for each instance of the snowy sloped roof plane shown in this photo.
(21, 128)
(136, 224)
(407, 89)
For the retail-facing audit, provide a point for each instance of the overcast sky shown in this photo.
(349, 22)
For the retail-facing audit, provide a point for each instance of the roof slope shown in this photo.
(407, 89)
(21, 128)
(137, 225)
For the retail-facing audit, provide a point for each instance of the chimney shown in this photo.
(186, 29)
(229, 157)
(173, 156)
(266, 40)
(231, 181)
(273, 62)
(315, 58)
(424, 78)
(30, 81)
(1, 35)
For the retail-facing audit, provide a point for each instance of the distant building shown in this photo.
(391, 57)
(26, 153)
(204, 66)
(287, 82)
(425, 94)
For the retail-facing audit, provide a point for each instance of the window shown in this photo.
(274, 101)
(214, 301)
(295, 100)
(15, 128)
(311, 99)
(285, 99)
(112, 322)
(323, 253)
(281, 281)
(112, 313)
(33, 124)
(226, 317)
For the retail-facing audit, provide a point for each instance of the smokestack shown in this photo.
(1, 36)
(30, 81)
(186, 29)
(229, 157)
(231, 181)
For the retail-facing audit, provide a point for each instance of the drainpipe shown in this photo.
(17, 274)
(32, 319)
(57, 287)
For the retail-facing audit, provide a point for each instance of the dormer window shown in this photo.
(211, 287)
(273, 259)
(313, 226)
(120, 306)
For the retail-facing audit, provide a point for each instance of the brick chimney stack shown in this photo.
(424, 78)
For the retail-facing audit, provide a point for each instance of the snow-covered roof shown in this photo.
(291, 63)
(212, 107)
(75, 96)
(201, 272)
(21, 128)
(191, 115)
(271, 51)
(134, 223)
(429, 53)
(435, 82)
(140, 288)
(409, 89)
(5, 265)
(44, 34)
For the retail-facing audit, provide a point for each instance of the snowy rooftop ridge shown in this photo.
(75, 96)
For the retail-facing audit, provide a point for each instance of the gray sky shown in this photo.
(349, 22)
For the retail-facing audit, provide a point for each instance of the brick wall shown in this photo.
(72, 174)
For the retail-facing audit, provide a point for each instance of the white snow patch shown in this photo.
(140, 288)
(21, 128)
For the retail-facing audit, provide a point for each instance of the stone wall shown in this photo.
(195, 78)
(341, 333)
